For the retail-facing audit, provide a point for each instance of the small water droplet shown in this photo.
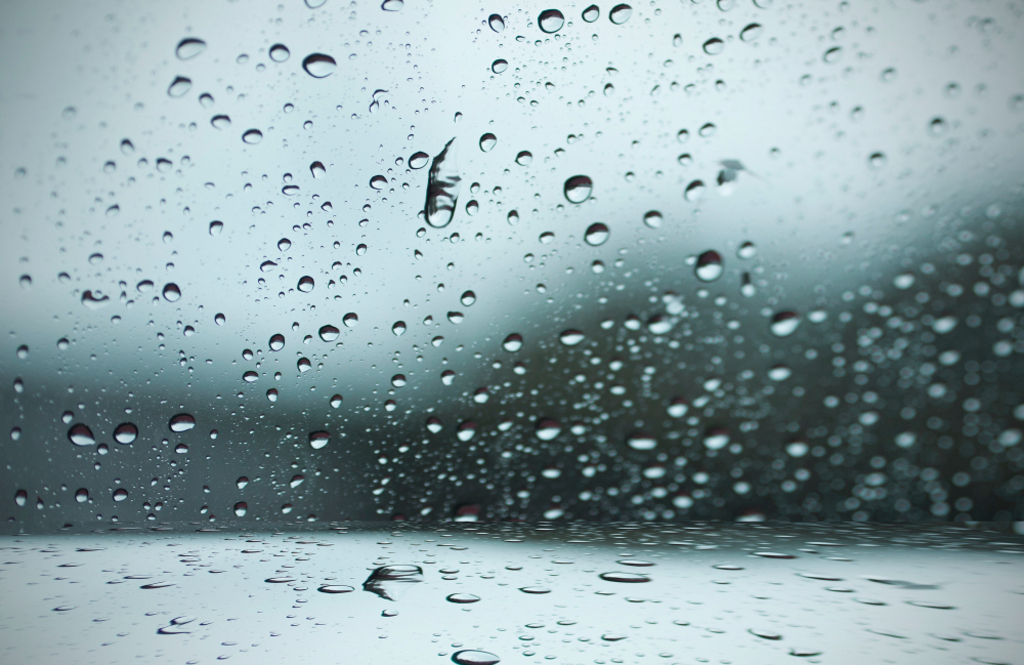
(488, 141)
(751, 32)
(747, 250)
(335, 588)
(241, 508)
(716, 438)
(462, 598)
(641, 441)
(694, 191)
(547, 429)
(785, 323)
(709, 266)
(626, 578)
(512, 343)
(393, 5)
(252, 136)
(350, 320)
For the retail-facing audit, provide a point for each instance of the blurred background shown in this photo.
(683, 260)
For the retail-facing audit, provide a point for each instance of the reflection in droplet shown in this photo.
(443, 186)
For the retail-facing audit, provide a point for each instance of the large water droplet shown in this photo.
(747, 250)
(641, 441)
(498, 66)
(252, 136)
(597, 233)
(591, 13)
(496, 22)
(81, 435)
(547, 429)
(714, 46)
(488, 141)
(393, 5)
(694, 191)
(171, 292)
(784, 323)
(472, 657)
(318, 440)
(319, 65)
(279, 53)
(571, 337)
(189, 48)
(241, 508)
(182, 422)
(418, 160)
(462, 598)
(551, 21)
(627, 578)
(126, 433)
(577, 188)
(335, 588)
(329, 333)
(512, 343)
(751, 32)
(620, 14)
(716, 438)
(653, 219)
(179, 86)
(709, 266)
(443, 186)
(390, 582)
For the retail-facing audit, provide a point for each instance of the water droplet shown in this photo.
(499, 65)
(241, 508)
(488, 141)
(714, 46)
(350, 320)
(336, 401)
(81, 435)
(747, 250)
(620, 14)
(653, 219)
(95, 300)
(551, 21)
(512, 343)
(279, 53)
(335, 588)
(496, 22)
(319, 65)
(171, 292)
(472, 657)
(709, 266)
(468, 298)
(329, 333)
(641, 441)
(937, 127)
(418, 160)
(591, 13)
(462, 598)
(318, 440)
(182, 422)
(779, 373)
(571, 337)
(832, 55)
(877, 160)
(220, 121)
(189, 48)
(126, 433)
(547, 429)
(390, 582)
(120, 494)
(216, 228)
(626, 578)
(785, 323)
(443, 186)
(21, 498)
(751, 32)
(179, 86)
(694, 191)
(252, 136)
(716, 439)
(535, 590)
(398, 328)
(597, 234)
(577, 188)
(393, 5)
